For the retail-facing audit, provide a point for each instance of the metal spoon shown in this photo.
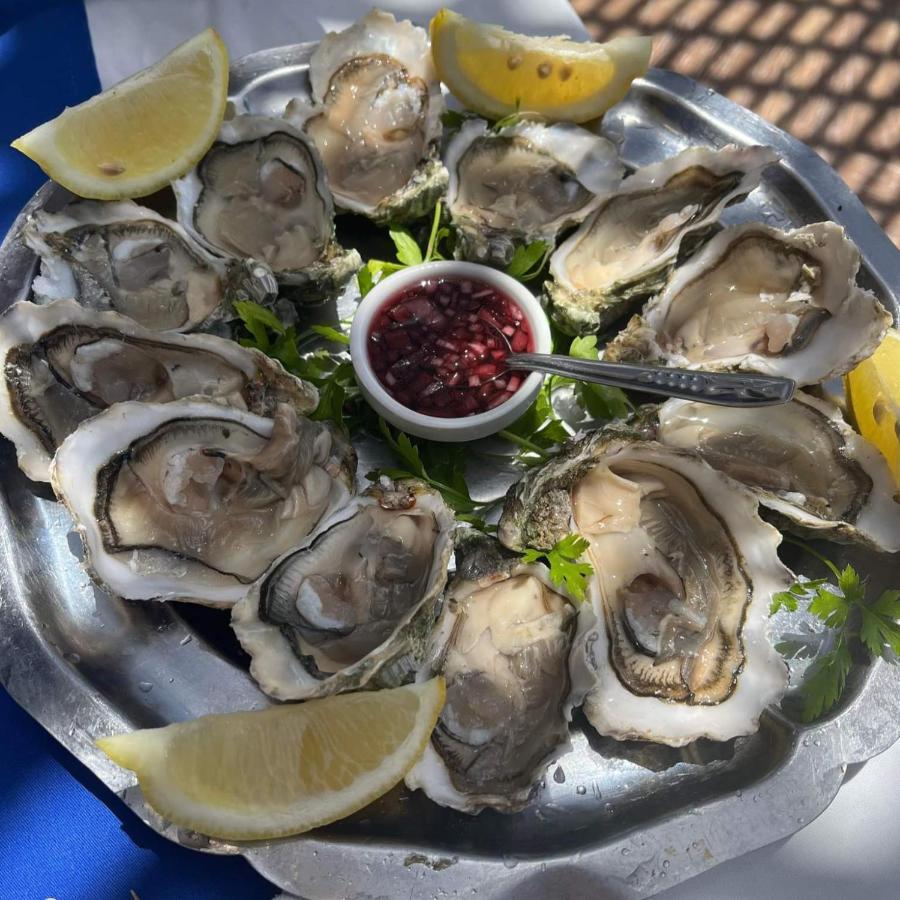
(720, 388)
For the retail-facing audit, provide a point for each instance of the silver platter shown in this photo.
(612, 819)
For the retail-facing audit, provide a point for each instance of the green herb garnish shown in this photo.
(340, 400)
(528, 260)
(442, 466)
(562, 560)
(599, 401)
(408, 253)
(853, 620)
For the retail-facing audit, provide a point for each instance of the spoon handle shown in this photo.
(720, 388)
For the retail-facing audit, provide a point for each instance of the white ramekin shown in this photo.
(468, 428)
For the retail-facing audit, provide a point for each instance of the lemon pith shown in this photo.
(283, 770)
(141, 134)
(496, 72)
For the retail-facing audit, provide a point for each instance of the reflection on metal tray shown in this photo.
(612, 819)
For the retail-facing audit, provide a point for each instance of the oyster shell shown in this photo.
(375, 117)
(684, 572)
(502, 644)
(63, 363)
(260, 193)
(523, 183)
(126, 258)
(801, 459)
(353, 606)
(626, 249)
(193, 500)
(763, 300)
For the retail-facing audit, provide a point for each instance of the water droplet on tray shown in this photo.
(581, 789)
(145, 686)
(559, 776)
(186, 639)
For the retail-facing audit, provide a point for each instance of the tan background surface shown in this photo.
(827, 71)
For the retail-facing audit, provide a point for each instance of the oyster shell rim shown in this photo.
(274, 665)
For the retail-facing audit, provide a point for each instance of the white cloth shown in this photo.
(853, 849)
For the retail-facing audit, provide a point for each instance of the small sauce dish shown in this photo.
(427, 345)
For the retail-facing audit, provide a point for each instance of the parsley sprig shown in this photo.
(442, 466)
(563, 562)
(842, 606)
(408, 252)
(332, 374)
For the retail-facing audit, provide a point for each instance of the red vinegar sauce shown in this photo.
(440, 347)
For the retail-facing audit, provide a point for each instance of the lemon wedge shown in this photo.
(873, 390)
(496, 72)
(146, 131)
(284, 770)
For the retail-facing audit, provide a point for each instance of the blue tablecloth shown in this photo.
(62, 833)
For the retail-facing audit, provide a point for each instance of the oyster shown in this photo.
(502, 644)
(63, 363)
(523, 183)
(684, 570)
(762, 300)
(193, 500)
(130, 259)
(375, 117)
(260, 193)
(801, 459)
(626, 249)
(354, 606)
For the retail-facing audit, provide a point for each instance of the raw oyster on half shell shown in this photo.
(375, 116)
(761, 300)
(626, 249)
(63, 363)
(523, 183)
(684, 571)
(193, 500)
(801, 459)
(260, 193)
(129, 259)
(502, 644)
(354, 605)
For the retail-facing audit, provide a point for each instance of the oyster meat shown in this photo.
(801, 459)
(684, 570)
(502, 644)
(63, 363)
(193, 500)
(523, 183)
(260, 193)
(375, 116)
(353, 606)
(626, 249)
(762, 300)
(130, 259)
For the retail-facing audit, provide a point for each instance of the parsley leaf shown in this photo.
(601, 402)
(331, 334)
(562, 559)
(447, 476)
(825, 680)
(340, 400)
(538, 431)
(409, 253)
(528, 260)
(852, 621)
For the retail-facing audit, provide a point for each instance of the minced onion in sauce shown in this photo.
(440, 347)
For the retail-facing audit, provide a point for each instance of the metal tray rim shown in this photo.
(634, 867)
